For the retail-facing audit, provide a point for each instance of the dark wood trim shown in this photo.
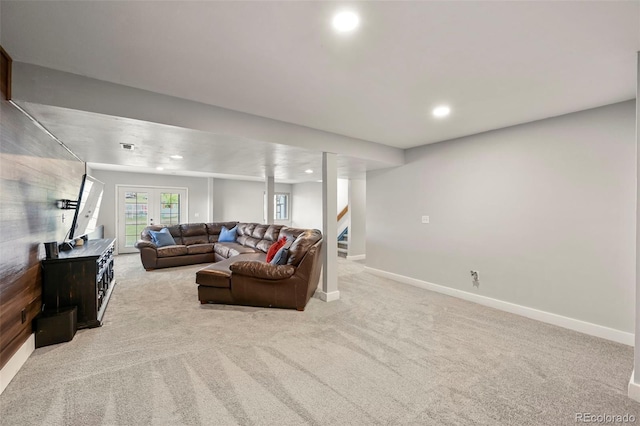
(343, 212)
(20, 304)
(5, 70)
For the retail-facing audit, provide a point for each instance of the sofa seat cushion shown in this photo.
(266, 271)
(236, 251)
(218, 274)
(200, 248)
(214, 275)
(228, 250)
(169, 251)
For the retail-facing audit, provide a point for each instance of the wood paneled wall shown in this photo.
(34, 172)
(5, 74)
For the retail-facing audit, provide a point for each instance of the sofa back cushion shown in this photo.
(244, 231)
(291, 233)
(303, 239)
(256, 235)
(251, 242)
(194, 233)
(270, 236)
(273, 233)
(214, 228)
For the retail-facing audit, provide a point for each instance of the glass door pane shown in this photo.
(281, 205)
(169, 208)
(136, 215)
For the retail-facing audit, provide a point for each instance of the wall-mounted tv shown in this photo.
(85, 219)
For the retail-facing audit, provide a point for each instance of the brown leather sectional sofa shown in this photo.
(239, 274)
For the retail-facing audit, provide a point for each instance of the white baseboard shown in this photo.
(16, 362)
(357, 257)
(327, 297)
(634, 388)
(559, 320)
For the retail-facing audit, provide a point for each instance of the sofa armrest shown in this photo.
(257, 269)
(143, 243)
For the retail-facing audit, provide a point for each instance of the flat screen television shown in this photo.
(85, 219)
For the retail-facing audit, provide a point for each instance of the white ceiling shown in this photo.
(496, 63)
(96, 139)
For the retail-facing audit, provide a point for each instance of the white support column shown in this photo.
(329, 228)
(210, 192)
(268, 202)
(634, 382)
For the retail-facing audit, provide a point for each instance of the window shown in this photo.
(281, 206)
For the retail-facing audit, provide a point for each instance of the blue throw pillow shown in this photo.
(227, 235)
(162, 238)
(281, 257)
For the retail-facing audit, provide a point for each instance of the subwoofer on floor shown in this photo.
(56, 326)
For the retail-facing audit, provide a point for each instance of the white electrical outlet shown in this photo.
(425, 219)
(475, 278)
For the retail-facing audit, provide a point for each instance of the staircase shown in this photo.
(343, 243)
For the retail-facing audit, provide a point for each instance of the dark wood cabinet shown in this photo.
(82, 277)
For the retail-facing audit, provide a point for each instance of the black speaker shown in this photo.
(56, 326)
(51, 249)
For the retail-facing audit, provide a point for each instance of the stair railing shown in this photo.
(343, 212)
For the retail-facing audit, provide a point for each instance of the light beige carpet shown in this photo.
(385, 353)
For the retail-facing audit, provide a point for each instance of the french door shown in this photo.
(139, 207)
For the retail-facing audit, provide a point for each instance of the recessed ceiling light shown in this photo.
(159, 168)
(345, 21)
(308, 171)
(441, 111)
(177, 157)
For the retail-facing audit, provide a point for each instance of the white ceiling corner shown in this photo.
(495, 63)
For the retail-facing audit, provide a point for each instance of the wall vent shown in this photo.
(127, 146)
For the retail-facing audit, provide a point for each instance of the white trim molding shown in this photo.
(15, 363)
(634, 388)
(327, 297)
(357, 257)
(543, 316)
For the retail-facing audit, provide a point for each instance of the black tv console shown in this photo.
(82, 277)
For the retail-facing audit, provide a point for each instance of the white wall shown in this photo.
(307, 205)
(243, 200)
(343, 194)
(358, 217)
(545, 211)
(197, 197)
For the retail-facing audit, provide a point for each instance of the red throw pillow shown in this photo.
(275, 247)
